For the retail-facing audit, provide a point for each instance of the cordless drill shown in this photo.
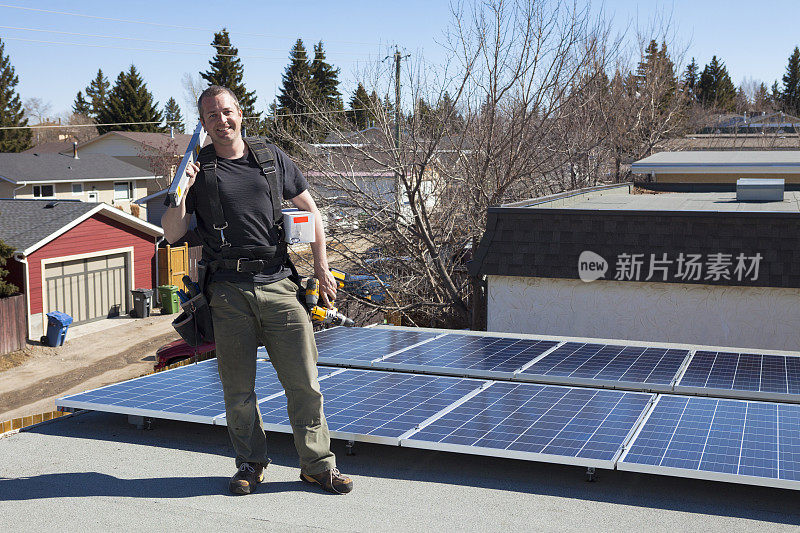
(323, 315)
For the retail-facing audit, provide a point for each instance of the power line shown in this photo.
(112, 47)
(157, 24)
(40, 30)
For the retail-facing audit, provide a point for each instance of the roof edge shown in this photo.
(102, 208)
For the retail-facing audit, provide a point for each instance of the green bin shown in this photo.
(169, 299)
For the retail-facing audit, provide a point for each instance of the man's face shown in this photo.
(221, 119)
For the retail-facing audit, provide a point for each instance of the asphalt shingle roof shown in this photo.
(23, 223)
(60, 167)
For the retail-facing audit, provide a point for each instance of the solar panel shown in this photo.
(605, 365)
(374, 406)
(468, 355)
(191, 393)
(719, 439)
(360, 346)
(567, 425)
(742, 375)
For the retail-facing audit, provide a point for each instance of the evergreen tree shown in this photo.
(297, 88)
(11, 110)
(359, 108)
(97, 91)
(775, 95)
(790, 95)
(761, 100)
(81, 106)
(691, 78)
(6, 288)
(715, 88)
(226, 70)
(324, 80)
(130, 101)
(172, 116)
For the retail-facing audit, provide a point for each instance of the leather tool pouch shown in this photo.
(194, 324)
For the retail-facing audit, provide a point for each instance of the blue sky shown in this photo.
(753, 38)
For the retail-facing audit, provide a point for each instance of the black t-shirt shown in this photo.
(246, 203)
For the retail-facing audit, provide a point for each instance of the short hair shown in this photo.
(214, 90)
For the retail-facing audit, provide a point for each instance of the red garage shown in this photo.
(79, 258)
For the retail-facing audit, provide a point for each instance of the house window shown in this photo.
(77, 188)
(43, 191)
(123, 190)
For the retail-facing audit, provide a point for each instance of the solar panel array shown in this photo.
(538, 422)
(557, 404)
(468, 355)
(191, 393)
(356, 346)
(375, 406)
(604, 364)
(721, 439)
(744, 375)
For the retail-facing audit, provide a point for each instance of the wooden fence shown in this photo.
(176, 261)
(12, 323)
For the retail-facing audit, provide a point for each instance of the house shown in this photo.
(697, 268)
(717, 170)
(158, 153)
(80, 258)
(85, 177)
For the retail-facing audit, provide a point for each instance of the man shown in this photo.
(253, 301)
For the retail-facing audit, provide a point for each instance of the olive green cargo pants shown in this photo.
(248, 315)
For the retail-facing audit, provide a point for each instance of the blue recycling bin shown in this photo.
(57, 326)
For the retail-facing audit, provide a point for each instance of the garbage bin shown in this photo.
(57, 326)
(142, 299)
(169, 299)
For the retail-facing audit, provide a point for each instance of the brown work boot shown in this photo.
(331, 480)
(246, 478)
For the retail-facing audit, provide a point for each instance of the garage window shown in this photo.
(43, 191)
(123, 190)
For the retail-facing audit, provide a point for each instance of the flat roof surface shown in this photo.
(684, 201)
(730, 157)
(94, 469)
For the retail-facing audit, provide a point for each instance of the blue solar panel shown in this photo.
(191, 393)
(742, 375)
(723, 439)
(362, 345)
(469, 355)
(540, 422)
(376, 406)
(600, 364)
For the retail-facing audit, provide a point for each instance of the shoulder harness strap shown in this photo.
(266, 160)
(208, 164)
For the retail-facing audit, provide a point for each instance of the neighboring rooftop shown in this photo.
(715, 161)
(25, 223)
(49, 168)
(682, 202)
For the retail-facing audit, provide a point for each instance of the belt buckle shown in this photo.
(239, 263)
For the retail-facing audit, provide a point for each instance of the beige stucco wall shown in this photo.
(104, 190)
(721, 178)
(743, 317)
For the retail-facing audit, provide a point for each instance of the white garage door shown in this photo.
(88, 289)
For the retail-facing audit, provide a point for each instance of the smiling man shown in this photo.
(235, 192)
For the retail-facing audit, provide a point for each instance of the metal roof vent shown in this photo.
(51, 205)
(759, 190)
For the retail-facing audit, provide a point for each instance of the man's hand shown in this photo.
(192, 169)
(327, 287)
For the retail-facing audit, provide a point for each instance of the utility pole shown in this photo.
(397, 98)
